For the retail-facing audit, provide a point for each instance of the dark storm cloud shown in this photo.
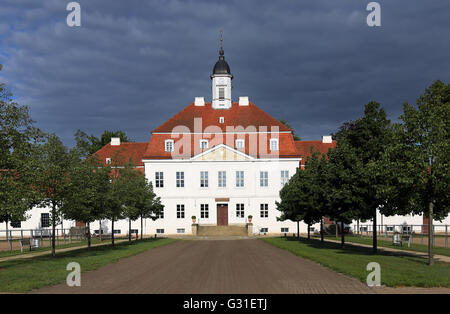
(133, 64)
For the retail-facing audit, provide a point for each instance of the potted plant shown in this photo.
(250, 218)
(193, 219)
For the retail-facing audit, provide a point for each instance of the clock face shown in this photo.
(222, 81)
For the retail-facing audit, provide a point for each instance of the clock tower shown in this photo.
(221, 82)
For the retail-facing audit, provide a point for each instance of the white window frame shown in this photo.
(264, 179)
(180, 211)
(179, 179)
(240, 179)
(204, 181)
(240, 210)
(264, 210)
(274, 145)
(221, 93)
(203, 142)
(159, 179)
(204, 211)
(108, 161)
(221, 120)
(240, 141)
(222, 179)
(169, 148)
(284, 177)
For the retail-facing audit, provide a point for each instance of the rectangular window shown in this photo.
(180, 211)
(240, 144)
(160, 214)
(221, 93)
(117, 231)
(240, 210)
(273, 144)
(239, 179)
(159, 230)
(264, 210)
(263, 178)
(134, 231)
(204, 144)
(264, 230)
(204, 211)
(180, 230)
(108, 161)
(159, 179)
(45, 220)
(284, 177)
(180, 179)
(203, 179)
(222, 179)
(284, 230)
(168, 145)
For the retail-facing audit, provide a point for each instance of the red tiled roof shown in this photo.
(304, 148)
(123, 152)
(243, 116)
(250, 119)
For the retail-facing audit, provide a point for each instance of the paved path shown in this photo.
(215, 266)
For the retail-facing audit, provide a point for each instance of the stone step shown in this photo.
(232, 230)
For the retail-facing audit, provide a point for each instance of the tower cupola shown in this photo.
(221, 81)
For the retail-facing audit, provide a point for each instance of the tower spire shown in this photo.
(221, 52)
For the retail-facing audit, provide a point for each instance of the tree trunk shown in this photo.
(430, 235)
(374, 232)
(337, 229)
(309, 232)
(112, 232)
(357, 225)
(129, 230)
(142, 228)
(298, 229)
(321, 229)
(100, 231)
(53, 230)
(7, 235)
(342, 234)
(89, 234)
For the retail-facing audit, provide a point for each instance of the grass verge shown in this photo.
(26, 274)
(396, 270)
(383, 243)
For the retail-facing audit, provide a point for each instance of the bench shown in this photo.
(30, 243)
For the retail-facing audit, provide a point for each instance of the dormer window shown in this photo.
(168, 146)
(221, 120)
(203, 144)
(273, 144)
(108, 161)
(240, 144)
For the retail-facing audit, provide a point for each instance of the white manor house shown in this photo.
(220, 161)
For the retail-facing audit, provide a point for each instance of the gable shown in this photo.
(222, 153)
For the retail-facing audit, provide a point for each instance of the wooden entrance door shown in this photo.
(222, 214)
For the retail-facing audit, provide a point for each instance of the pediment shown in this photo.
(222, 153)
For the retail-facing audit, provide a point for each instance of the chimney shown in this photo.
(115, 141)
(327, 139)
(199, 101)
(243, 101)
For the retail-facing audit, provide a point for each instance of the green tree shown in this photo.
(86, 193)
(369, 137)
(86, 145)
(52, 179)
(19, 139)
(418, 160)
(346, 185)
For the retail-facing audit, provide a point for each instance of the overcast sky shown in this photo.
(133, 64)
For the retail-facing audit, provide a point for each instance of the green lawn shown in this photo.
(414, 247)
(27, 274)
(61, 246)
(396, 270)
